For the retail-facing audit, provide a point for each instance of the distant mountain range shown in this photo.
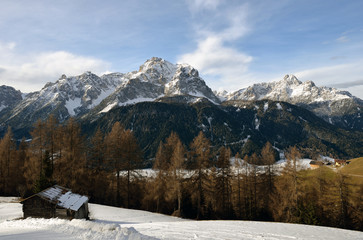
(159, 84)
(334, 106)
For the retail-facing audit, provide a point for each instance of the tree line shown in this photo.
(192, 181)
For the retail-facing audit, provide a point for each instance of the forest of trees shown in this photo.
(194, 181)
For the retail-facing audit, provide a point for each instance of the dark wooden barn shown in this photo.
(56, 202)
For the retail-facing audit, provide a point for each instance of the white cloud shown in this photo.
(199, 5)
(30, 71)
(215, 55)
(213, 58)
(342, 39)
(7, 47)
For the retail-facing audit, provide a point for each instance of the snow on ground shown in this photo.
(265, 107)
(119, 223)
(109, 107)
(326, 159)
(242, 230)
(72, 104)
(38, 228)
(279, 107)
(137, 100)
(2, 107)
(101, 213)
(102, 96)
(9, 209)
(301, 164)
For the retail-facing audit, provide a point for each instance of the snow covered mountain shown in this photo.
(157, 78)
(89, 96)
(334, 106)
(68, 96)
(78, 95)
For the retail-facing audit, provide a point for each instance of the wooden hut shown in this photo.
(56, 202)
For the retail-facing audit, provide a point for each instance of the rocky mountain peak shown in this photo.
(186, 71)
(222, 95)
(155, 70)
(87, 78)
(186, 81)
(291, 79)
(9, 96)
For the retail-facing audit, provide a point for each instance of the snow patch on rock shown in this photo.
(73, 104)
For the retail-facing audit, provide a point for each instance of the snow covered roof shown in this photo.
(63, 197)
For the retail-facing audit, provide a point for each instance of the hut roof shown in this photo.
(62, 197)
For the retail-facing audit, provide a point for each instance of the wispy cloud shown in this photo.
(330, 74)
(336, 76)
(342, 39)
(348, 84)
(215, 55)
(338, 57)
(199, 5)
(29, 71)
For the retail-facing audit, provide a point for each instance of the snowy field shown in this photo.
(117, 223)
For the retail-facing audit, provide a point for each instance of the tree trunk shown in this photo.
(118, 198)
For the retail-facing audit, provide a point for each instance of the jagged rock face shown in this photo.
(329, 103)
(187, 81)
(156, 78)
(179, 79)
(155, 70)
(291, 90)
(130, 92)
(66, 97)
(222, 95)
(9, 97)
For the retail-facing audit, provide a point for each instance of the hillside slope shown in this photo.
(354, 170)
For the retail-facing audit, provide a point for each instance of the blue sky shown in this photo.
(233, 44)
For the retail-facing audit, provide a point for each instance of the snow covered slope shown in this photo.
(118, 223)
(334, 106)
(157, 78)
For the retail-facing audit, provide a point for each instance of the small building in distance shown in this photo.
(55, 202)
(339, 162)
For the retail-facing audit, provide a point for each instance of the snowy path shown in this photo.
(118, 223)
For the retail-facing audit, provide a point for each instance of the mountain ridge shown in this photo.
(242, 126)
(333, 105)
